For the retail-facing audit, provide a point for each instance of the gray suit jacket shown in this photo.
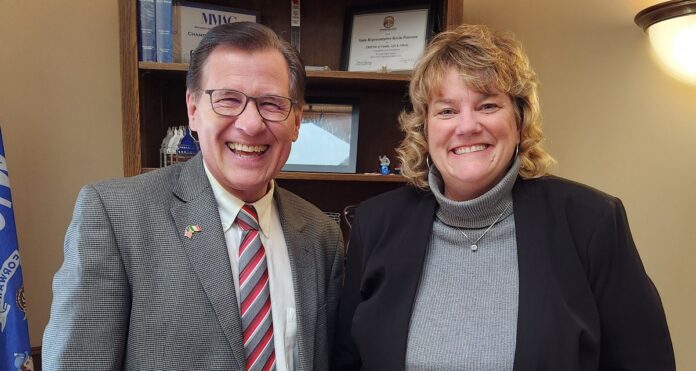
(134, 293)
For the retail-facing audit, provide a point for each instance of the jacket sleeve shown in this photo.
(346, 356)
(88, 324)
(634, 333)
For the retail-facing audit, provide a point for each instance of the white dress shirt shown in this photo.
(278, 262)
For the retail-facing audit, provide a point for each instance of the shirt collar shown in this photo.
(229, 205)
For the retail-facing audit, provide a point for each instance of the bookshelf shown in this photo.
(153, 95)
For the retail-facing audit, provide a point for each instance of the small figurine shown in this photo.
(23, 362)
(384, 165)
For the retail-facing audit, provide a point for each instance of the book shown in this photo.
(191, 21)
(146, 31)
(295, 24)
(163, 27)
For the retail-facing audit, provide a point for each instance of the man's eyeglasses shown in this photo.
(232, 103)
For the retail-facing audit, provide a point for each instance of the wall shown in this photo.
(60, 113)
(614, 120)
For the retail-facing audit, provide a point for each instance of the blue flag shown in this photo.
(15, 352)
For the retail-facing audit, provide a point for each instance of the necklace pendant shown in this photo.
(474, 247)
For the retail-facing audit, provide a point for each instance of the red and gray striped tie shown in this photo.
(254, 294)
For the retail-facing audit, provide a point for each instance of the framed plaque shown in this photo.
(192, 20)
(386, 39)
(328, 140)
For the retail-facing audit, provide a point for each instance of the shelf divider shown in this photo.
(331, 177)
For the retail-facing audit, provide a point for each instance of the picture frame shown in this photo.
(328, 139)
(384, 38)
(192, 20)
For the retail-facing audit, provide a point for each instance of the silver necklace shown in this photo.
(474, 245)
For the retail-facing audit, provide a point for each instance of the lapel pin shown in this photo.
(191, 229)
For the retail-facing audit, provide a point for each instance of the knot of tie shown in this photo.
(247, 218)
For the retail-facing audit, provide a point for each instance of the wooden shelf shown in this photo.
(333, 79)
(332, 177)
(363, 80)
(154, 66)
(152, 95)
(342, 177)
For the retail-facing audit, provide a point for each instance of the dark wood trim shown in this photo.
(336, 177)
(36, 357)
(314, 78)
(454, 12)
(128, 41)
(667, 10)
(332, 177)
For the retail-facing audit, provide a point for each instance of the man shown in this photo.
(158, 272)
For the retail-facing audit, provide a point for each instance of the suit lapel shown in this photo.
(207, 250)
(397, 253)
(304, 278)
(530, 223)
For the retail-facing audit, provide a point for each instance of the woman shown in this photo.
(486, 262)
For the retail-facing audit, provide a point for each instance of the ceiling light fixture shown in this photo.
(671, 27)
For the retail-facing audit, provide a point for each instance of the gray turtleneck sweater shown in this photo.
(465, 313)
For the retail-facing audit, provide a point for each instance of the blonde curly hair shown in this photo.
(486, 60)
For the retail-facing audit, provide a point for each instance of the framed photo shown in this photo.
(385, 39)
(328, 140)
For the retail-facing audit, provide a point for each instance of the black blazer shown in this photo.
(585, 301)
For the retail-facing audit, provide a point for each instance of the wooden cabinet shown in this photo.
(153, 95)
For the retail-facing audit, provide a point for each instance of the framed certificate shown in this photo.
(192, 20)
(386, 39)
